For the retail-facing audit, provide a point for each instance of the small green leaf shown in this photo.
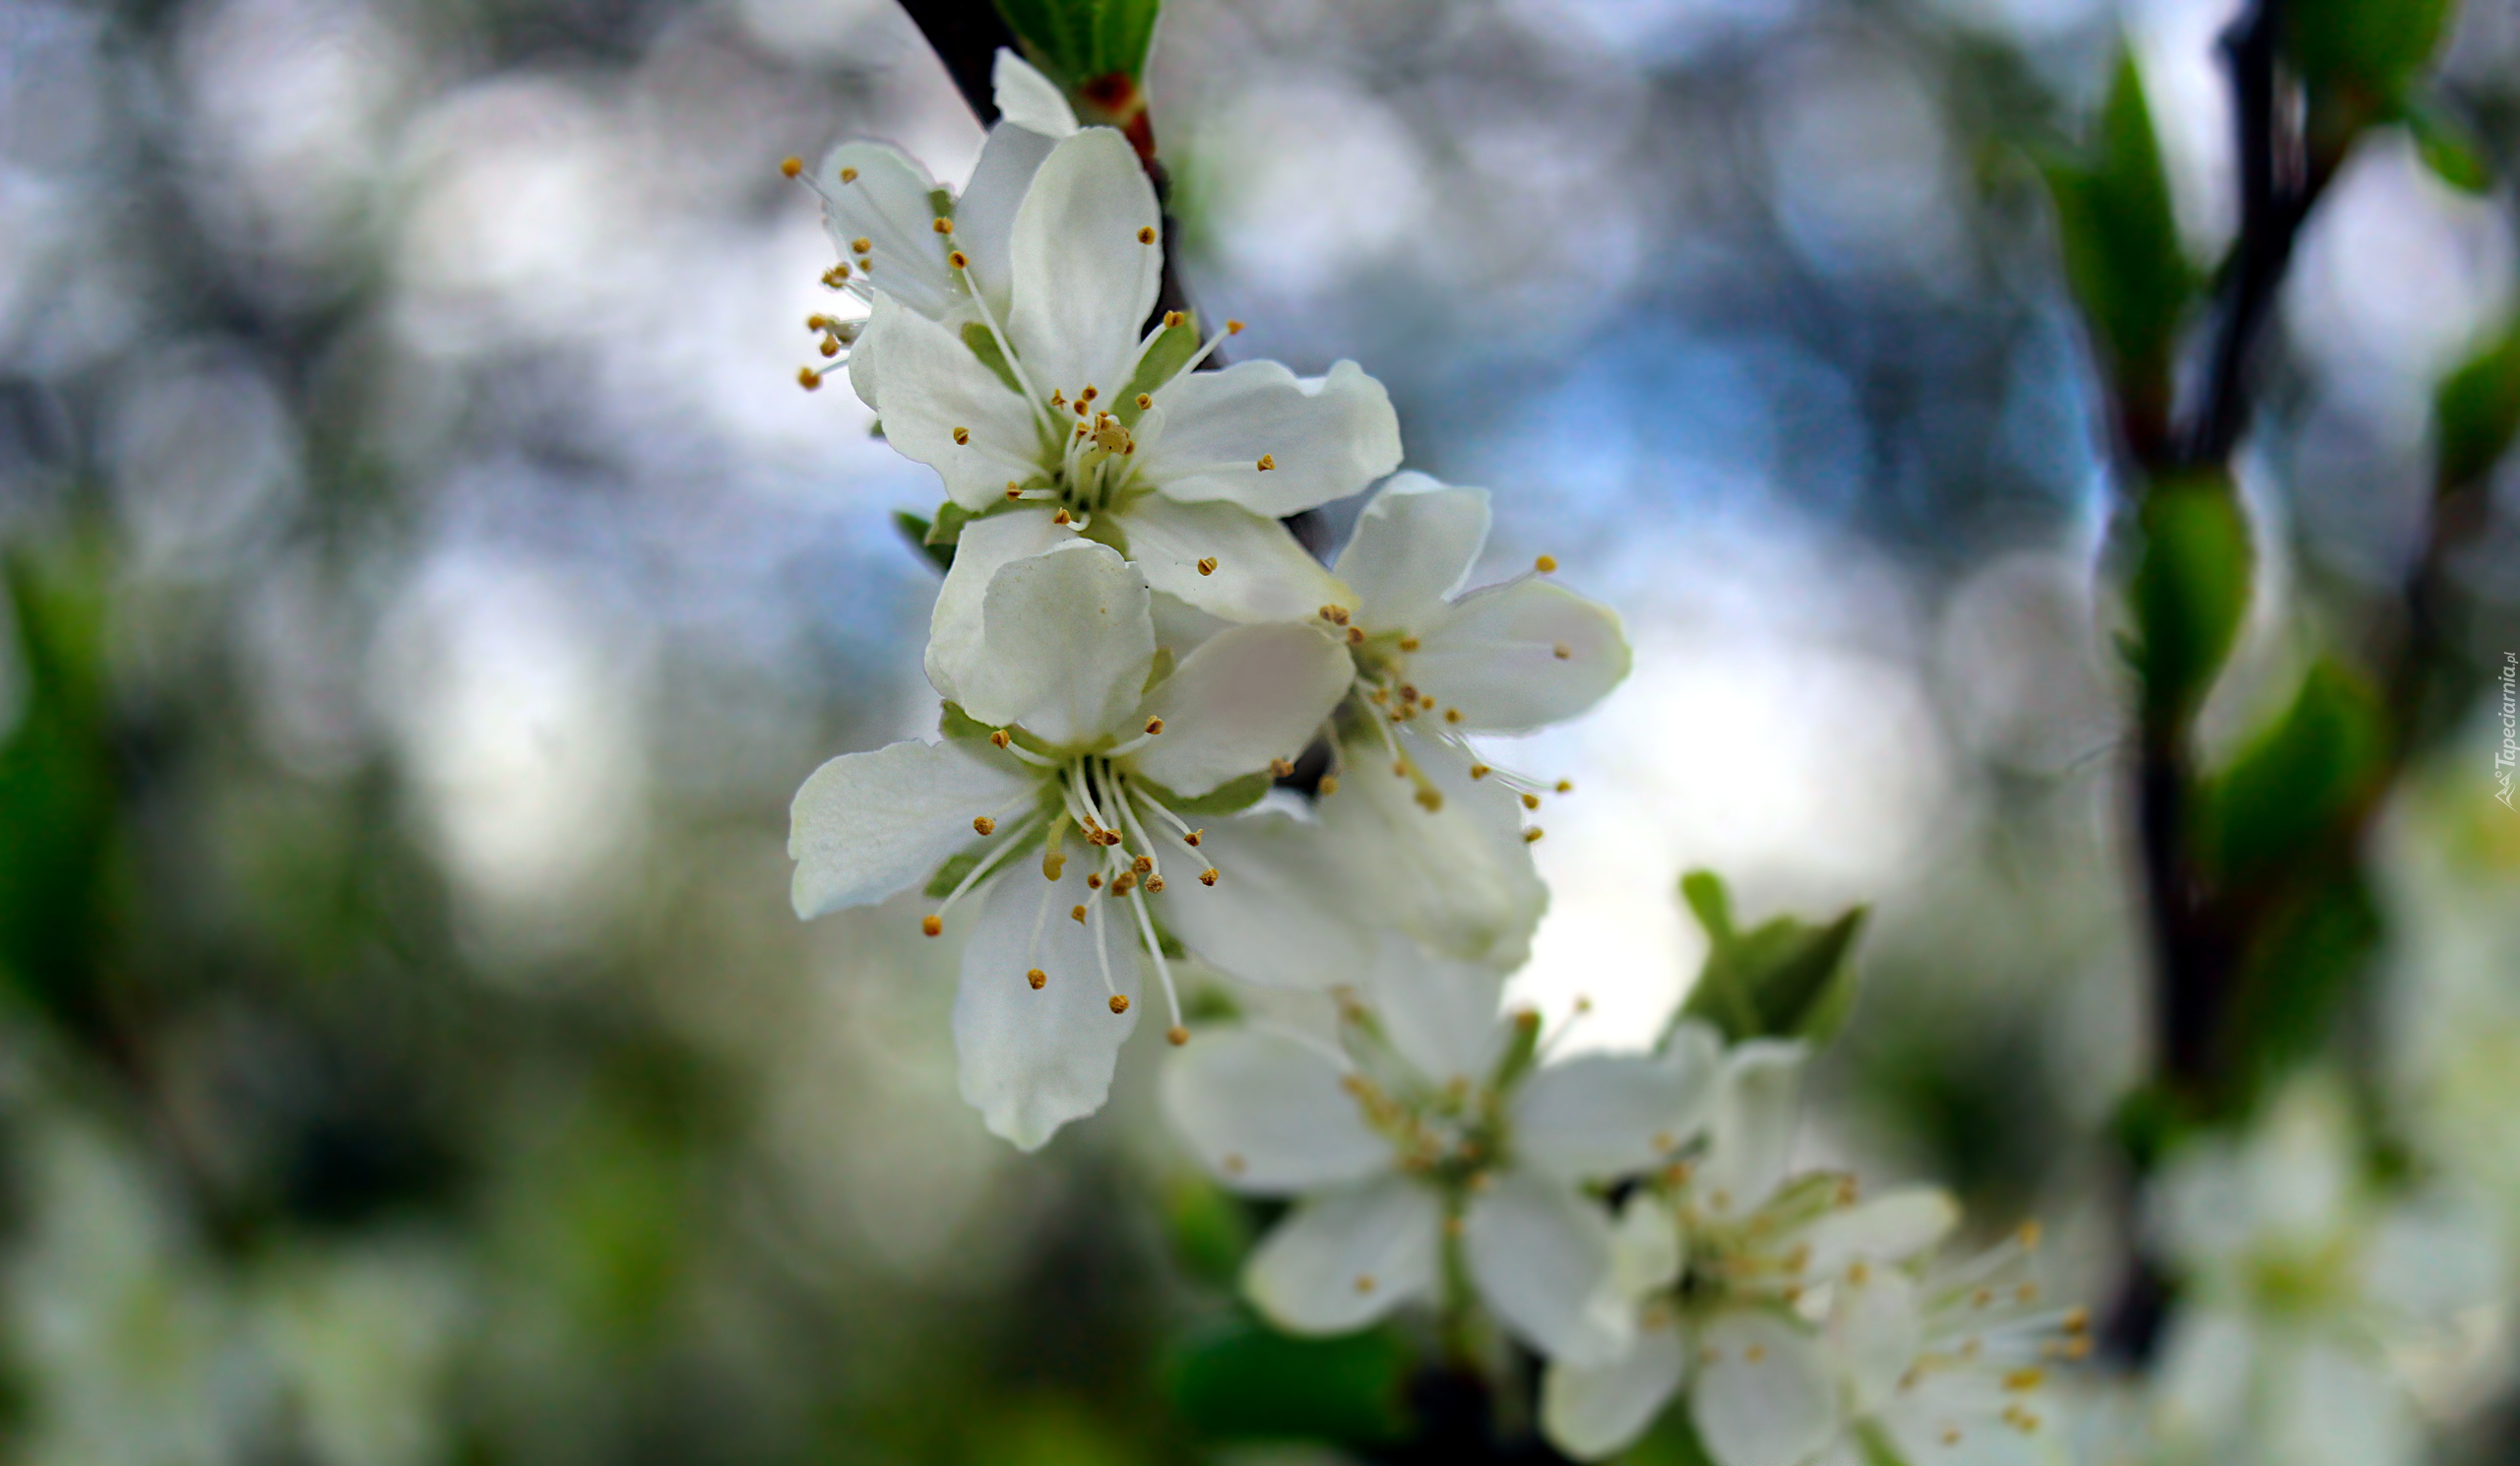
(2310, 957)
(983, 345)
(1080, 41)
(1210, 1229)
(58, 799)
(1784, 979)
(2299, 780)
(954, 723)
(1242, 1381)
(2367, 49)
(2191, 589)
(2477, 411)
(1229, 797)
(2447, 146)
(1162, 362)
(951, 873)
(917, 530)
(2120, 238)
(948, 529)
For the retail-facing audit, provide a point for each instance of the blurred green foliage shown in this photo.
(1240, 1379)
(2120, 239)
(2191, 592)
(2477, 411)
(1785, 979)
(58, 800)
(1080, 41)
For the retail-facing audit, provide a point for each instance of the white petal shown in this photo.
(1647, 1250)
(1084, 282)
(985, 546)
(1762, 1395)
(933, 385)
(1033, 1059)
(1875, 1333)
(1179, 628)
(1889, 1228)
(1065, 646)
(1750, 1140)
(1592, 1414)
(1458, 877)
(889, 202)
(1345, 1258)
(1028, 99)
(2329, 1404)
(1440, 1015)
(1414, 544)
(1247, 695)
(1274, 917)
(1496, 655)
(862, 369)
(1326, 439)
(1602, 1116)
(2206, 1375)
(1266, 1111)
(1541, 1257)
(984, 219)
(868, 824)
(1261, 573)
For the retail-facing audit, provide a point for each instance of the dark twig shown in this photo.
(965, 36)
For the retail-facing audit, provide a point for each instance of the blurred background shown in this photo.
(427, 586)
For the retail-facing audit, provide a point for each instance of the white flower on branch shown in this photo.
(1085, 753)
(2305, 1285)
(1431, 835)
(1791, 1314)
(1435, 1157)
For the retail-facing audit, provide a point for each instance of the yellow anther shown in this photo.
(1127, 882)
(792, 166)
(1058, 398)
(1951, 1434)
(1061, 517)
(1012, 492)
(1053, 863)
(849, 176)
(1036, 978)
(984, 825)
(1154, 883)
(1531, 802)
(1859, 1272)
(1379, 696)
(1281, 768)
(1234, 1164)
(1566, 786)
(1207, 877)
(861, 244)
(1208, 565)
(1142, 865)
(1146, 235)
(1173, 318)
(1176, 1036)
(818, 323)
(943, 225)
(1453, 715)
(837, 274)
(1089, 394)
(1233, 328)
(2028, 1235)
(1267, 461)
(1355, 636)
(1094, 881)
(999, 739)
(958, 260)
(831, 349)
(1080, 406)
(1077, 912)
(1562, 652)
(1480, 771)
(1982, 1297)
(2024, 1379)
(2027, 1293)
(962, 435)
(2077, 1320)
(1145, 401)
(1662, 1141)
(1544, 564)
(1532, 835)
(1119, 1003)
(808, 378)
(932, 925)
(1329, 784)
(1193, 837)
(1408, 643)
(1754, 1353)
(1155, 724)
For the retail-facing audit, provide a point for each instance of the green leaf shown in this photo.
(2367, 49)
(917, 530)
(1081, 41)
(1165, 356)
(1784, 979)
(2190, 590)
(983, 345)
(58, 800)
(1210, 1229)
(2447, 146)
(2120, 239)
(1123, 33)
(2296, 782)
(2312, 955)
(951, 873)
(1242, 1381)
(1672, 1442)
(2477, 411)
(1229, 797)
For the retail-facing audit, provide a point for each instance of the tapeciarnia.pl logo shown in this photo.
(2509, 753)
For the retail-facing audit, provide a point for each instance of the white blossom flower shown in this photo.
(1735, 1262)
(881, 208)
(1437, 846)
(1082, 747)
(2301, 1279)
(1433, 1149)
(1051, 417)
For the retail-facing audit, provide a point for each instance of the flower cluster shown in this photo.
(1133, 652)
